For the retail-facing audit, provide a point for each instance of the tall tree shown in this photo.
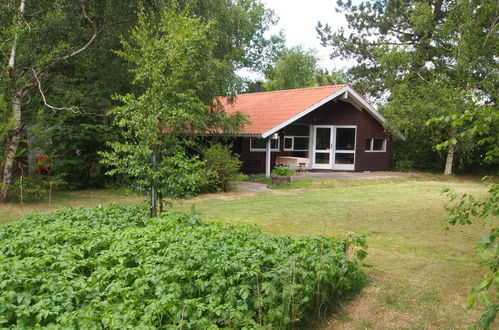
(294, 68)
(50, 30)
(39, 37)
(178, 76)
(410, 54)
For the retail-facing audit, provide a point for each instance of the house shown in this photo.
(332, 126)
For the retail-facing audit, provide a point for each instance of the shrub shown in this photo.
(281, 171)
(113, 267)
(223, 166)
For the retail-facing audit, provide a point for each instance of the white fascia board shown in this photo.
(368, 107)
(345, 92)
(304, 112)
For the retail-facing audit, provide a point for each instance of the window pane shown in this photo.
(301, 143)
(379, 144)
(344, 158)
(301, 130)
(345, 138)
(288, 143)
(322, 158)
(323, 138)
(274, 144)
(257, 143)
(368, 144)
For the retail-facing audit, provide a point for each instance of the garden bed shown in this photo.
(114, 267)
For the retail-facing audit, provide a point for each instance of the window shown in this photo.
(375, 144)
(345, 138)
(296, 143)
(259, 144)
(288, 143)
(344, 159)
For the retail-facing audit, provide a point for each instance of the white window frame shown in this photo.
(372, 145)
(346, 167)
(264, 149)
(292, 137)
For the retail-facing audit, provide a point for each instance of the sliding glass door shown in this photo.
(322, 147)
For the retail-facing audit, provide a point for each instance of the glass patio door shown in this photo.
(344, 148)
(334, 147)
(323, 146)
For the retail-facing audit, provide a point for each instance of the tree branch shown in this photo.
(39, 84)
(92, 38)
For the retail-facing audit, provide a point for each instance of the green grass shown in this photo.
(422, 273)
(12, 211)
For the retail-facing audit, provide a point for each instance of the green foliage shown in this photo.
(114, 267)
(281, 171)
(481, 123)
(222, 165)
(175, 70)
(462, 211)
(295, 68)
(36, 187)
(423, 59)
(86, 82)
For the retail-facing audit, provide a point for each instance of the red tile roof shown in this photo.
(269, 109)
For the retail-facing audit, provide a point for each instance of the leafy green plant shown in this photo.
(114, 267)
(462, 211)
(223, 166)
(281, 171)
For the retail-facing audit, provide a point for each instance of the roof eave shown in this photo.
(304, 112)
(350, 93)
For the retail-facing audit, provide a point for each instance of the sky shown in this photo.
(298, 19)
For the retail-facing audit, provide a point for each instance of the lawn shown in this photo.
(421, 274)
(12, 211)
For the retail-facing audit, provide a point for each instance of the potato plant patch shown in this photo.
(113, 267)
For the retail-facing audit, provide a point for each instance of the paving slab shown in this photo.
(249, 186)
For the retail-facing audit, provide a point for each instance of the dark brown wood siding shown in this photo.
(254, 161)
(332, 113)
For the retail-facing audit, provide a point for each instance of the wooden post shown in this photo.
(153, 186)
(50, 193)
(21, 189)
(267, 158)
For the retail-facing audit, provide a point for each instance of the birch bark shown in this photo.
(15, 137)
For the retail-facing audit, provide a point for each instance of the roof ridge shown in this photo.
(293, 89)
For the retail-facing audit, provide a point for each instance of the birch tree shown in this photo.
(39, 36)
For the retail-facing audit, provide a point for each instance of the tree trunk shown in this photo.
(13, 140)
(450, 159)
(11, 147)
